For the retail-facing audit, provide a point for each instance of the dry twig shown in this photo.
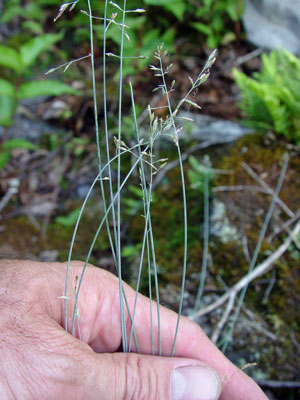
(223, 320)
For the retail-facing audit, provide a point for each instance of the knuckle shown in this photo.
(140, 379)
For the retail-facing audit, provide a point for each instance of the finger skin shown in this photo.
(40, 287)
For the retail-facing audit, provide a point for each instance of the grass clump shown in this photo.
(113, 178)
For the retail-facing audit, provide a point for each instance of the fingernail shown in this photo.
(194, 382)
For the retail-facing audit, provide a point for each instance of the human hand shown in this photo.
(40, 360)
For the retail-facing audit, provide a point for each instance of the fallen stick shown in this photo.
(223, 320)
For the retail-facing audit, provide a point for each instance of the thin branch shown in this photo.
(246, 249)
(239, 188)
(13, 189)
(223, 320)
(269, 288)
(249, 56)
(205, 243)
(258, 324)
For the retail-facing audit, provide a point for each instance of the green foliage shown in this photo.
(7, 147)
(139, 42)
(270, 100)
(77, 146)
(68, 220)
(134, 203)
(19, 64)
(30, 51)
(23, 58)
(32, 14)
(213, 18)
(10, 58)
(131, 251)
(294, 250)
(44, 88)
(199, 172)
(177, 7)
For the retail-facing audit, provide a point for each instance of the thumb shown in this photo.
(133, 376)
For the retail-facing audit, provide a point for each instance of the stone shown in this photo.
(210, 130)
(26, 128)
(48, 256)
(205, 130)
(273, 24)
(220, 226)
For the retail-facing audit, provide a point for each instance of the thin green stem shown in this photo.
(184, 206)
(147, 202)
(74, 236)
(94, 84)
(185, 249)
(94, 241)
(106, 128)
(119, 261)
(108, 159)
(150, 294)
(155, 284)
(96, 121)
(205, 244)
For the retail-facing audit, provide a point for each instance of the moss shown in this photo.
(168, 229)
(20, 238)
(59, 238)
(246, 210)
(265, 161)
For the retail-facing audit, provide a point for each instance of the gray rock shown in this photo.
(26, 129)
(210, 130)
(48, 256)
(273, 24)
